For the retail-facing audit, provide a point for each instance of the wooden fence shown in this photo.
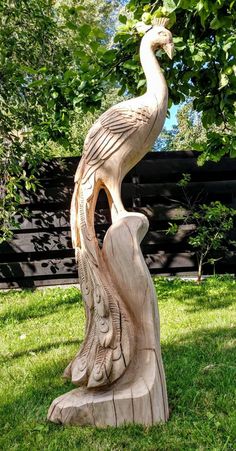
(40, 252)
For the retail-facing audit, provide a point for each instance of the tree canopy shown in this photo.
(50, 54)
(51, 70)
(204, 66)
(60, 58)
(55, 60)
(188, 134)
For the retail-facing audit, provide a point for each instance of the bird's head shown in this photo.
(161, 38)
(158, 36)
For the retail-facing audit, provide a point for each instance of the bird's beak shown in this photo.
(169, 49)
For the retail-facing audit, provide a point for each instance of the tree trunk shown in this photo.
(199, 274)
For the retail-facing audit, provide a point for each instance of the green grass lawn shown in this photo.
(42, 330)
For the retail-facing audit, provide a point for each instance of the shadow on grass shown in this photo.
(44, 348)
(35, 310)
(213, 293)
(201, 361)
(200, 370)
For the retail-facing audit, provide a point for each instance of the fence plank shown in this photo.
(41, 253)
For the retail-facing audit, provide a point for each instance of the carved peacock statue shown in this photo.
(117, 332)
(114, 144)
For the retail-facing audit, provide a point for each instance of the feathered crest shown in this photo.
(161, 21)
(141, 27)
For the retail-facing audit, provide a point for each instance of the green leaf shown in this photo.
(42, 69)
(36, 83)
(199, 56)
(98, 33)
(179, 43)
(71, 25)
(200, 5)
(69, 74)
(109, 55)
(130, 65)
(28, 70)
(147, 18)
(172, 230)
(221, 22)
(122, 19)
(84, 30)
(169, 5)
(141, 83)
(187, 4)
(215, 24)
(224, 81)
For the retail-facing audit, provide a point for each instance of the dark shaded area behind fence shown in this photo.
(40, 253)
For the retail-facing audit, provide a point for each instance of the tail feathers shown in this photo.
(105, 329)
(85, 278)
(78, 369)
(105, 354)
(102, 367)
(108, 344)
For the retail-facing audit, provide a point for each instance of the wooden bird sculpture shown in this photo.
(119, 365)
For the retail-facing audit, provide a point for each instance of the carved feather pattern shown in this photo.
(77, 370)
(102, 367)
(101, 359)
(109, 133)
(107, 349)
(85, 279)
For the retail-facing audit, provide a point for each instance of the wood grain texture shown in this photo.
(140, 398)
(119, 364)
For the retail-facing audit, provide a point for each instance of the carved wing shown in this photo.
(110, 131)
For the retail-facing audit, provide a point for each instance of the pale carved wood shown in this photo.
(119, 366)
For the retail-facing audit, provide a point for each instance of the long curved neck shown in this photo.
(156, 83)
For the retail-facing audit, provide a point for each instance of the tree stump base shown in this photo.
(140, 401)
(138, 394)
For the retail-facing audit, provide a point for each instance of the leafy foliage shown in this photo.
(165, 140)
(56, 68)
(51, 67)
(212, 224)
(204, 66)
(79, 126)
(189, 134)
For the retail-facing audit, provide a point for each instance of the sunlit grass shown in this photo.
(42, 330)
